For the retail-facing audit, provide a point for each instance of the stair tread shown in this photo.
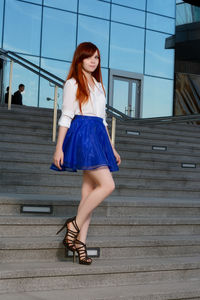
(12, 198)
(127, 220)
(101, 241)
(156, 291)
(125, 265)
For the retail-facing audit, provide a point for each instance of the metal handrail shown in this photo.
(5, 53)
(58, 82)
(2, 51)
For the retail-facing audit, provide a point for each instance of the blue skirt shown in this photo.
(86, 146)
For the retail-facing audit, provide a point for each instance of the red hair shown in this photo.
(84, 50)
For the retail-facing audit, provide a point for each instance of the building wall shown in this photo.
(129, 33)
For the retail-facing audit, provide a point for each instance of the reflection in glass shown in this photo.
(95, 31)
(160, 23)
(127, 48)
(134, 99)
(59, 34)
(95, 8)
(186, 13)
(131, 3)
(22, 20)
(105, 81)
(127, 15)
(58, 68)
(63, 4)
(166, 8)
(26, 77)
(34, 1)
(120, 95)
(159, 61)
(46, 98)
(1, 19)
(157, 97)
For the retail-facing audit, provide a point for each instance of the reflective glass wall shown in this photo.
(130, 34)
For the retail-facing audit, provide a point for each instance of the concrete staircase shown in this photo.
(148, 230)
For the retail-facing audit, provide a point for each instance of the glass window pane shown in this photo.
(26, 77)
(34, 1)
(127, 15)
(127, 48)
(95, 31)
(58, 68)
(22, 27)
(120, 95)
(105, 80)
(47, 94)
(159, 61)
(134, 99)
(63, 4)
(165, 24)
(1, 19)
(157, 97)
(95, 8)
(132, 3)
(166, 8)
(59, 34)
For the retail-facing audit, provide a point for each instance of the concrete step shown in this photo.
(138, 190)
(180, 290)
(45, 127)
(63, 205)
(126, 156)
(18, 226)
(122, 182)
(130, 166)
(33, 175)
(120, 135)
(127, 141)
(145, 148)
(14, 249)
(63, 275)
(21, 112)
(126, 152)
(136, 173)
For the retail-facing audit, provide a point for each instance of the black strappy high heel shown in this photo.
(82, 253)
(70, 236)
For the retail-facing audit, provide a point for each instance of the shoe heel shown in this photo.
(62, 228)
(74, 257)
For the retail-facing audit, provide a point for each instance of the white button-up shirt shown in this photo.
(95, 106)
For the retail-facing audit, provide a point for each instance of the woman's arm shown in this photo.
(58, 154)
(69, 96)
(116, 154)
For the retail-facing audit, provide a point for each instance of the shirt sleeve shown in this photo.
(68, 105)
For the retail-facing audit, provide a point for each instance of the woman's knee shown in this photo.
(110, 186)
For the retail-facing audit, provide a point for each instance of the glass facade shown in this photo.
(130, 34)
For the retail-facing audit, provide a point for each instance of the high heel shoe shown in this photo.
(82, 253)
(70, 236)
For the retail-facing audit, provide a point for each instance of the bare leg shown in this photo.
(87, 187)
(104, 186)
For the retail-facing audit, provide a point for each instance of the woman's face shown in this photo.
(90, 64)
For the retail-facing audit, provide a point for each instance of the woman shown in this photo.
(84, 143)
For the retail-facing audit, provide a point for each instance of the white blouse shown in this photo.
(95, 106)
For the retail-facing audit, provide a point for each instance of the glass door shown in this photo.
(126, 95)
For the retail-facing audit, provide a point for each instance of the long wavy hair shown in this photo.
(84, 50)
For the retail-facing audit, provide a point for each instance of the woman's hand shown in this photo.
(117, 156)
(58, 158)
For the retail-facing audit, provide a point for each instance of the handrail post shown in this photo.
(10, 84)
(113, 131)
(55, 113)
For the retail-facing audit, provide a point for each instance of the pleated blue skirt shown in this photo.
(86, 146)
